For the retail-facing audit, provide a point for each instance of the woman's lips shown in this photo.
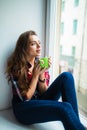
(38, 51)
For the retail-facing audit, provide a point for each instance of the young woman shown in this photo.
(34, 101)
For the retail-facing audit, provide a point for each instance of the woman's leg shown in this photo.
(63, 85)
(39, 111)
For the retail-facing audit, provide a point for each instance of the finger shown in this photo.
(50, 60)
(43, 70)
(39, 67)
(36, 65)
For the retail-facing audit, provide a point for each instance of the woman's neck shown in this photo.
(31, 60)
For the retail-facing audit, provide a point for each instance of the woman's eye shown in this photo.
(33, 43)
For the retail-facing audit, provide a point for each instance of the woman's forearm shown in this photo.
(42, 87)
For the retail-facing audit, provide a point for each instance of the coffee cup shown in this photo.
(44, 62)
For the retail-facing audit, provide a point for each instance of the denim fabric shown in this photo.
(47, 107)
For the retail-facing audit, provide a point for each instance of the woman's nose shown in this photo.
(38, 45)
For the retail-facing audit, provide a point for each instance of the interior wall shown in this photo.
(16, 17)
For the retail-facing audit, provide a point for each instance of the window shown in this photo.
(75, 22)
(62, 28)
(61, 49)
(76, 3)
(73, 51)
(63, 5)
(72, 56)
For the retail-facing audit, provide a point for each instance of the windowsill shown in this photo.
(83, 120)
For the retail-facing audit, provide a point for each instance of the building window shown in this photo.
(73, 51)
(63, 5)
(62, 28)
(76, 3)
(75, 22)
(61, 49)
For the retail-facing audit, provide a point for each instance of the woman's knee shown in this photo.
(67, 75)
(67, 107)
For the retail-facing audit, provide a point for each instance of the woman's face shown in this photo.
(34, 46)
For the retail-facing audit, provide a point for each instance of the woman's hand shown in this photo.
(38, 70)
(49, 61)
(45, 69)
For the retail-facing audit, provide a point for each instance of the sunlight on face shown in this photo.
(34, 47)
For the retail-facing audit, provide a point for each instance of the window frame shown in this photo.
(53, 34)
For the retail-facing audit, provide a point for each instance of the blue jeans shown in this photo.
(47, 107)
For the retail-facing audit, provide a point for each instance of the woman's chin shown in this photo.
(38, 55)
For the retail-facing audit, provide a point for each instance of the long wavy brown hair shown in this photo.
(16, 63)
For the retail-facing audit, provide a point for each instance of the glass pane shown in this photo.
(73, 48)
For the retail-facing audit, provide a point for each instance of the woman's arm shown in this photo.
(42, 86)
(37, 71)
(34, 81)
(38, 75)
(44, 78)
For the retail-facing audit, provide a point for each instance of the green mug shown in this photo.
(44, 62)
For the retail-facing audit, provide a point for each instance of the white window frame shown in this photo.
(52, 34)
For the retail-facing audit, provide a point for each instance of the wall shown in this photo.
(17, 16)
